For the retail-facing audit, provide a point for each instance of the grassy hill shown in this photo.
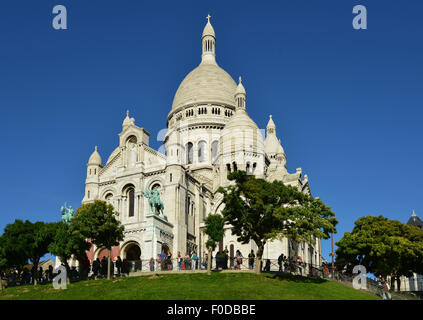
(237, 286)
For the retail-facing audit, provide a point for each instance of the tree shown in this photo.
(97, 221)
(214, 229)
(384, 247)
(67, 243)
(261, 211)
(27, 240)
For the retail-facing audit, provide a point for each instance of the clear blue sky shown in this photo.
(347, 103)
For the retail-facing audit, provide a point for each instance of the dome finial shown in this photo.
(208, 18)
(95, 148)
(127, 113)
(240, 79)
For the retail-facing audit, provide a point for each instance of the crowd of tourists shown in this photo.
(163, 262)
(25, 276)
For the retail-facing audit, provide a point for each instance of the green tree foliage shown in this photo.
(67, 243)
(261, 211)
(385, 247)
(215, 232)
(23, 241)
(97, 221)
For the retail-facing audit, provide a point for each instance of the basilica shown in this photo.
(209, 134)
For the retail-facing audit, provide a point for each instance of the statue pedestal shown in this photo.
(158, 232)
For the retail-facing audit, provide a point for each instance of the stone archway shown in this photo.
(165, 248)
(131, 252)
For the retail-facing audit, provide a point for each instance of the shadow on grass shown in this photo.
(293, 278)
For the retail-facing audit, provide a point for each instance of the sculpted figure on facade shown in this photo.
(156, 205)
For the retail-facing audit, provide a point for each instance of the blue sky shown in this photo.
(347, 103)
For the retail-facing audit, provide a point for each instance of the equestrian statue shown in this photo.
(156, 205)
(67, 213)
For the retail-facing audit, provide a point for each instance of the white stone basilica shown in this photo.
(209, 134)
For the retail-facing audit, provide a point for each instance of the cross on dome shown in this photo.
(208, 18)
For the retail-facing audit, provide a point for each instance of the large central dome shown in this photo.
(208, 83)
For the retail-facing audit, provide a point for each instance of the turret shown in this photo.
(273, 147)
(93, 169)
(240, 95)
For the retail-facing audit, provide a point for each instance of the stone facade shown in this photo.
(209, 133)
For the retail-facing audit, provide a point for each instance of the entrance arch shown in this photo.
(165, 248)
(131, 251)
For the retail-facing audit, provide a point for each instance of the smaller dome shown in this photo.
(95, 158)
(240, 120)
(242, 131)
(208, 29)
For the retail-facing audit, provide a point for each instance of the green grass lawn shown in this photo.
(237, 286)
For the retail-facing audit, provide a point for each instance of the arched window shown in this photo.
(235, 166)
(156, 186)
(190, 153)
(131, 140)
(214, 149)
(248, 168)
(108, 198)
(202, 151)
(228, 167)
(129, 192)
(131, 202)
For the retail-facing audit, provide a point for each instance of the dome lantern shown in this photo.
(208, 40)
